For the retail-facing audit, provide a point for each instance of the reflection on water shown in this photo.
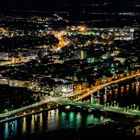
(15, 127)
(6, 130)
(40, 121)
(126, 95)
(54, 119)
(102, 119)
(63, 119)
(89, 118)
(24, 125)
(32, 124)
(71, 119)
(78, 120)
(10, 128)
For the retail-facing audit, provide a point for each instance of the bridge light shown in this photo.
(67, 107)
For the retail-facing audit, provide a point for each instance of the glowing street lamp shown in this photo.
(82, 28)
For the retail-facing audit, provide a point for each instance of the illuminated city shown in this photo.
(69, 69)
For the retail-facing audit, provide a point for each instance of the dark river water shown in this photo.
(49, 120)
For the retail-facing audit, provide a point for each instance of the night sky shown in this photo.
(34, 3)
(49, 4)
(38, 4)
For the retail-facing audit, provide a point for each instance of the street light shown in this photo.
(82, 28)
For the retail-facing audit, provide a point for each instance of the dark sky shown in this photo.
(48, 4)
(44, 4)
(33, 3)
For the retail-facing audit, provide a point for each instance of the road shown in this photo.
(13, 114)
(114, 109)
(97, 88)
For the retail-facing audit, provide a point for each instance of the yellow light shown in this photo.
(24, 125)
(82, 28)
(40, 120)
(32, 124)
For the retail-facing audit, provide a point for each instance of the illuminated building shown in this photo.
(4, 56)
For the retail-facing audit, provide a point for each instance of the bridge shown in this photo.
(16, 111)
(115, 109)
(20, 112)
(99, 87)
(99, 107)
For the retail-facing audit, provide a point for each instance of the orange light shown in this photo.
(82, 28)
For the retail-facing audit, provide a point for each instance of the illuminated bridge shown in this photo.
(76, 102)
(99, 107)
(13, 114)
(99, 87)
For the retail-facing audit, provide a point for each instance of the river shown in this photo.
(45, 121)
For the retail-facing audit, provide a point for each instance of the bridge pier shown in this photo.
(137, 86)
(122, 90)
(91, 99)
(94, 99)
(105, 98)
